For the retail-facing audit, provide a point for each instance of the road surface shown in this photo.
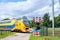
(18, 36)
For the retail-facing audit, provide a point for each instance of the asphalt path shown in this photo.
(18, 36)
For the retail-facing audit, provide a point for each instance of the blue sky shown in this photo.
(29, 8)
(12, 0)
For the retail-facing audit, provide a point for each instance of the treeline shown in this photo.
(46, 21)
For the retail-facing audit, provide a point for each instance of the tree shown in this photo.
(24, 17)
(57, 21)
(46, 20)
(6, 19)
(50, 24)
(31, 23)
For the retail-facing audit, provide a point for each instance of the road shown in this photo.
(18, 36)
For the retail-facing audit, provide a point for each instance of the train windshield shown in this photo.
(26, 22)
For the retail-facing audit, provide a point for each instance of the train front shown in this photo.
(26, 23)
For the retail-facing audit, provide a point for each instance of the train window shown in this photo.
(1, 22)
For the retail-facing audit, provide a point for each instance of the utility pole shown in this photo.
(53, 17)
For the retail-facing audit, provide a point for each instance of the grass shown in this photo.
(43, 38)
(50, 37)
(6, 34)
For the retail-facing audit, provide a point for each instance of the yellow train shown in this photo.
(15, 25)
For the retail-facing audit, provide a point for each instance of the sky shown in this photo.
(29, 8)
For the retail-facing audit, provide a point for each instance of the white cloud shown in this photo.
(41, 11)
(26, 8)
(9, 8)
